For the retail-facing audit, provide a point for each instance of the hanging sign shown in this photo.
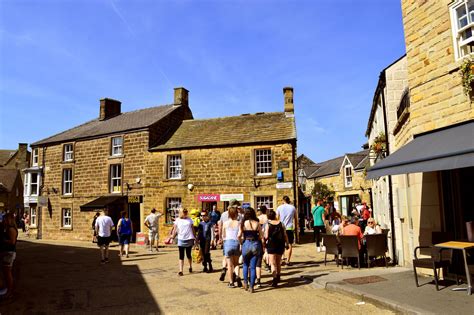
(286, 185)
(208, 197)
(135, 199)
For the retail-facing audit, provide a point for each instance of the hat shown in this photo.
(234, 203)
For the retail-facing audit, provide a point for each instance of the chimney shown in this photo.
(288, 95)
(22, 147)
(109, 108)
(180, 96)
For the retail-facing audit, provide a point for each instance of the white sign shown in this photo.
(286, 185)
(229, 197)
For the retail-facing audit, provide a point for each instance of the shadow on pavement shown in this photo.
(68, 279)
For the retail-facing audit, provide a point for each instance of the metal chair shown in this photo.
(376, 246)
(349, 248)
(331, 243)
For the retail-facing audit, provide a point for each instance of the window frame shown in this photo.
(33, 218)
(346, 176)
(67, 152)
(457, 30)
(113, 146)
(259, 170)
(67, 182)
(115, 178)
(178, 167)
(172, 213)
(37, 184)
(265, 202)
(63, 218)
(35, 157)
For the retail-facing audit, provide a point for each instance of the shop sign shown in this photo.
(286, 185)
(283, 164)
(135, 199)
(42, 201)
(208, 198)
(229, 197)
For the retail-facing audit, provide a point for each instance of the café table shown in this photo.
(463, 246)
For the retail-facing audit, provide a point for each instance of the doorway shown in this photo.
(348, 203)
(207, 206)
(134, 215)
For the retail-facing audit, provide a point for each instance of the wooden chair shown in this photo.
(376, 246)
(349, 248)
(331, 243)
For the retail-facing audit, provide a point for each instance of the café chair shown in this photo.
(376, 246)
(331, 243)
(349, 248)
(435, 262)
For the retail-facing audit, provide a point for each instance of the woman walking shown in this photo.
(276, 242)
(251, 248)
(230, 235)
(124, 232)
(184, 228)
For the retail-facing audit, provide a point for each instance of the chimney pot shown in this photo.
(288, 96)
(181, 96)
(109, 108)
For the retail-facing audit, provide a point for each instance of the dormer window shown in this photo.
(117, 146)
(348, 176)
(68, 152)
(34, 157)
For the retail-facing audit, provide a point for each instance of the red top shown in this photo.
(354, 230)
(365, 214)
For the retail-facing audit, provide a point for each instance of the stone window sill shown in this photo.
(66, 228)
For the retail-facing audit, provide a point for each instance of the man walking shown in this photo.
(318, 221)
(103, 228)
(151, 222)
(286, 213)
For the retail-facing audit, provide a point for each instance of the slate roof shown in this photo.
(333, 166)
(5, 156)
(8, 178)
(127, 121)
(311, 169)
(244, 129)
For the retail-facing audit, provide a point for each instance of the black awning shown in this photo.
(442, 149)
(101, 202)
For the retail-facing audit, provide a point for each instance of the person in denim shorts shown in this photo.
(252, 250)
(230, 235)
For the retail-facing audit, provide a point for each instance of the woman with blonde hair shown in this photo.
(184, 228)
(230, 235)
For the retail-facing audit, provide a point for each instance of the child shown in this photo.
(204, 238)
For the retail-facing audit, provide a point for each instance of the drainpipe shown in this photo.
(295, 199)
(390, 190)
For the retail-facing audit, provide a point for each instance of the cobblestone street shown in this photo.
(66, 277)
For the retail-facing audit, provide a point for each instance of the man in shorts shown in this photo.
(103, 228)
(151, 222)
(286, 213)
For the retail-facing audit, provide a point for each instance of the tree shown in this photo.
(322, 191)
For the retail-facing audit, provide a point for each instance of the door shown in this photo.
(134, 215)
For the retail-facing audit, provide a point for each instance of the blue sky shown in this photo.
(58, 58)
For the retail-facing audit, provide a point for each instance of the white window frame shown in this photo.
(26, 191)
(68, 152)
(175, 166)
(33, 216)
(67, 181)
(31, 183)
(348, 177)
(264, 201)
(116, 147)
(173, 204)
(66, 218)
(34, 157)
(115, 178)
(457, 30)
(263, 162)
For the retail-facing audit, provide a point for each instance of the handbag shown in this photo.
(197, 255)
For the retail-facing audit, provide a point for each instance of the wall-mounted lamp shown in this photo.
(138, 180)
(190, 187)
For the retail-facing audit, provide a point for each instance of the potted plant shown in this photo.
(466, 70)
(379, 146)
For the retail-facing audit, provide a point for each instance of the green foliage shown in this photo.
(466, 72)
(322, 191)
(380, 144)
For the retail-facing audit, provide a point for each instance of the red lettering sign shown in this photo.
(209, 198)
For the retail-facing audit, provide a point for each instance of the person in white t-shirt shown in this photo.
(103, 228)
(286, 213)
(184, 228)
(151, 222)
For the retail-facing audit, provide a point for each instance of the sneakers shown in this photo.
(245, 286)
(180, 273)
(210, 268)
(239, 281)
(102, 262)
(231, 285)
(106, 260)
(258, 284)
(205, 269)
(323, 248)
(190, 270)
(224, 271)
(318, 249)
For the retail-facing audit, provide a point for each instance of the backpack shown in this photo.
(277, 233)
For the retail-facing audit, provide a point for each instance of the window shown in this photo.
(174, 167)
(263, 162)
(67, 181)
(462, 22)
(34, 184)
(172, 209)
(27, 185)
(404, 103)
(35, 157)
(117, 145)
(116, 178)
(348, 176)
(264, 201)
(33, 216)
(68, 152)
(66, 218)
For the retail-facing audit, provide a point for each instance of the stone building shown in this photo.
(346, 176)
(99, 164)
(388, 114)
(159, 157)
(433, 158)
